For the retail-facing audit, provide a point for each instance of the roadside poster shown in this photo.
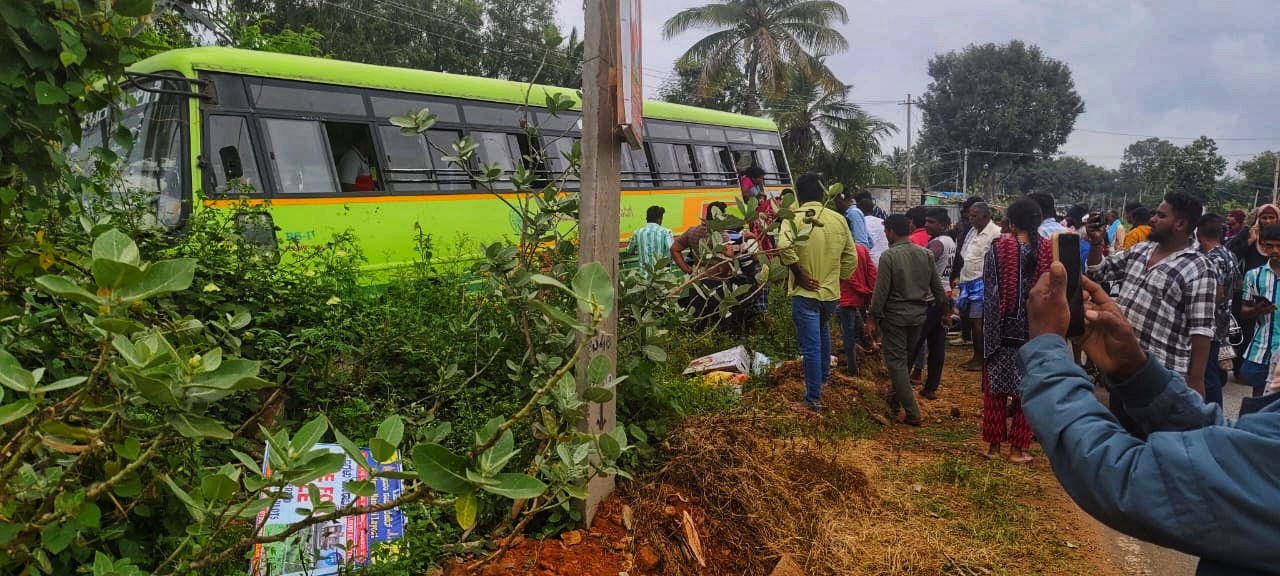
(630, 68)
(329, 547)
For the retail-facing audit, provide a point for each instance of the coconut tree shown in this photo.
(821, 128)
(764, 38)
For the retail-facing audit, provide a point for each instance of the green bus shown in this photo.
(311, 138)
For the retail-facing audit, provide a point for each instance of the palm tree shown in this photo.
(765, 38)
(821, 129)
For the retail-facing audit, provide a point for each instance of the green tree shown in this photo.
(1256, 175)
(763, 38)
(1006, 98)
(683, 89)
(1197, 166)
(1069, 179)
(1146, 170)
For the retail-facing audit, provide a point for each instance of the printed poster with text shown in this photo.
(324, 549)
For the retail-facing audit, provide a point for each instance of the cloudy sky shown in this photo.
(1171, 68)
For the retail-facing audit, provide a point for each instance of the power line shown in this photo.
(1222, 138)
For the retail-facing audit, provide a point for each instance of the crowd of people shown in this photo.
(1176, 300)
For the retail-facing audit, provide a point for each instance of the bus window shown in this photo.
(353, 155)
(440, 144)
(388, 106)
(230, 153)
(713, 170)
(408, 161)
(738, 136)
(298, 156)
(674, 164)
(765, 139)
(706, 133)
(770, 161)
(296, 98)
(501, 149)
(555, 157)
(635, 168)
(154, 166)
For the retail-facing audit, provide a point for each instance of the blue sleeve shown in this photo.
(858, 227)
(1179, 489)
(1084, 253)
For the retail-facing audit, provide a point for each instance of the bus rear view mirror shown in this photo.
(231, 167)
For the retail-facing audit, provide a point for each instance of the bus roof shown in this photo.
(339, 72)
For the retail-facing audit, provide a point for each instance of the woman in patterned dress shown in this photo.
(1013, 264)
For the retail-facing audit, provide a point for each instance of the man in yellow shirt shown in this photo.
(817, 264)
(1139, 219)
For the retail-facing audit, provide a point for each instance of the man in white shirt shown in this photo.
(977, 243)
(353, 171)
(875, 228)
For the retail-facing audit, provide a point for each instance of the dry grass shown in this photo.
(844, 496)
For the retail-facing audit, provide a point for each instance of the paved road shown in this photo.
(1137, 558)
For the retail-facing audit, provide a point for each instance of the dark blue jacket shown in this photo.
(1197, 483)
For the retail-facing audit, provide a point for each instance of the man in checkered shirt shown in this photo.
(1168, 288)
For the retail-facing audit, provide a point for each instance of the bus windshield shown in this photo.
(152, 165)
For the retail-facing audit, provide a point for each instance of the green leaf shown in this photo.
(497, 456)
(154, 390)
(381, 450)
(441, 469)
(598, 369)
(361, 488)
(516, 486)
(609, 449)
(129, 449)
(353, 452)
(115, 275)
(64, 288)
(392, 431)
(56, 537)
(135, 8)
(218, 487)
(597, 395)
(557, 315)
(465, 507)
(248, 462)
(654, 353)
(16, 410)
(47, 94)
(240, 320)
(102, 565)
(253, 508)
(90, 516)
(544, 280)
(308, 435)
(211, 360)
(194, 508)
(162, 277)
(63, 383)
(114, 245)
(12, 374)
(437, 433)
(194, 426)
(592, 284)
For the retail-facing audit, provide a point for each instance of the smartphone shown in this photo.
(1066, 249)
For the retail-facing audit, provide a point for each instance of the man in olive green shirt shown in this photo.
(817, 265)
(906, 283)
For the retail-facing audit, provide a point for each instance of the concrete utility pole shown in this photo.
(598, 216)
(1275, 180)
(965, 169)
(908, 103)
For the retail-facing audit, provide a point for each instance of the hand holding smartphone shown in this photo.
(1066, 249)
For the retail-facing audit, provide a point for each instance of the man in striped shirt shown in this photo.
(653, 241)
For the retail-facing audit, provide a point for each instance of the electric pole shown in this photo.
(908, 103)
(1275, 180)
(598, 209)
(965, 169)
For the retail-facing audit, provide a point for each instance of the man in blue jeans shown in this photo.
(826, 256)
